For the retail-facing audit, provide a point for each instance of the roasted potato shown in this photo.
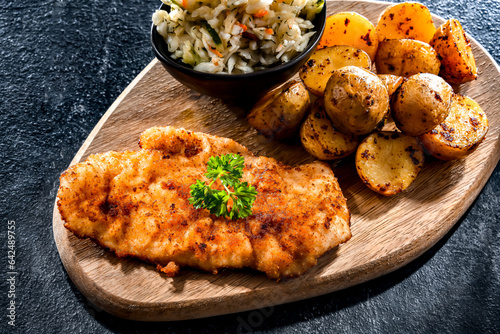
(421, 103)
(316, 71)
(405, 57)
(391, 82)
(352, 29)
(406, 20)
(320, 138)
(453, 47)
(355, 100)
(279, 113)
(388, 162)
(460, 133)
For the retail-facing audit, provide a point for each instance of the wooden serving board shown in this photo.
(387, 232)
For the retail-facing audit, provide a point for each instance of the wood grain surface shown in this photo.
(387, 232)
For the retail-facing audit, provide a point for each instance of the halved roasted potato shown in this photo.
(406, 20)
(279, 113)
(391, 82)
(405, 57)
(421, 103)
(453, 47)
(317, 70)
(460, 133)
(320, 138)
(356, 100)
(388, 162)
(350, 28)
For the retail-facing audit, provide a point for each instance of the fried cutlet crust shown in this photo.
(136, 204)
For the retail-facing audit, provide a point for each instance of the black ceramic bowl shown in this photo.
(249, 86)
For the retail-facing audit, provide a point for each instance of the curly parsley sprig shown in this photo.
(229, 170)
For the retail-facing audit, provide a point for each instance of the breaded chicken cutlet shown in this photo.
(136, 204)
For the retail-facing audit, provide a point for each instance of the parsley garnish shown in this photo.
(229, 170)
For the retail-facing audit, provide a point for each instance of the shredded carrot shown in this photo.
(260, 13)
(184, 3)
(269, 31)
(216, 51)
(244, 27)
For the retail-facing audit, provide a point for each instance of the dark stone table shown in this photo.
(62, 65)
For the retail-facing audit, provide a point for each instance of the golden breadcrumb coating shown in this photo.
(136, 204)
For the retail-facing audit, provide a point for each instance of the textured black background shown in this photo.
(63, 63)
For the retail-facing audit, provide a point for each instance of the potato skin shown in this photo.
(391, 82)
(453, 47)
(350, 28)
(406, 57)
(388, 162)
(279, 113)
(356, 100)
(421, 103)
(406, 20)
(317, 70)
(460, 133)
(321, 140)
